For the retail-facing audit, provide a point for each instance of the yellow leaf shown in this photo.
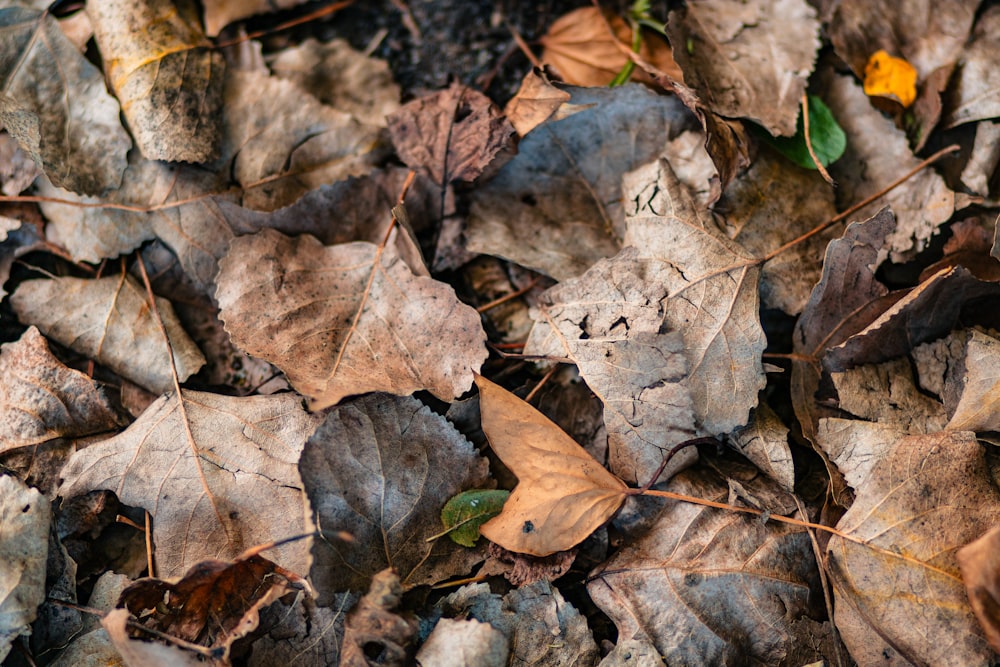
(886, 76)
(563, 494)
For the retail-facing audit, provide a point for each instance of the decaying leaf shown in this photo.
(166, 75)
(380, 468)
(537, 100)
(975, 94)
(978, 564)
(468, 642)
(748, 60)
(765, 442)
(556, 207)
(374, 633)
(978, 408)
(217, 474)
(220, 13)
(855, 446)
(215, 602)
(711, 587)
(563, 494)
(347, 319)
(930, 496)
(41, 399)
(24, 537)
(109, 321)
(55, 104)
(302, 631)
(886, 393)
(453, 135)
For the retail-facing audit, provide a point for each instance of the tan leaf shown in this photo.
(765, 442)
(165, 73)
(748, 60)
(929, 497)
(41, 399)
(711, 587)
(466, 642)
(581, 48)
(537, 100)
(452, 135)
(887, 394)
(563, 494)
(109, 321)
(55, 104)
(556, 207)
(975, 92)
(375, 626)
(340, 77)
(24, 524)
(980, 569)
(220, 13)
(140, 653)
(979, 407)
(217, 473)
(346, 319)
(381, 468)
(857, 447)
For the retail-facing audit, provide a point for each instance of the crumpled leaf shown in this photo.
(453, 135)
(220, 13)
(748, 60)
(374, 632)
(887, 394)
(109, 320)
(217, 474)
(855, 446)
(556, 207)
(903, 583)
(340, 77)
(380, 467)
(580, 46)
(765, 442)
(41, 399)
(978, 564)
(877, 154)
(17, 168)
(562, 495)
(711, 587)
(139, 653)
(467, 642)
(543, 628)
(302, 631)
(975, 91)
(18, 240)
(56, 106)
(346, 319)
(537, 100)
(979, 407)
(24, 528)
(165, 73)
(215, 603)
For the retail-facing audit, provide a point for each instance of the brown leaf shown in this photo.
(452, 135)
(374, 633)
(765, 442)
(467, 642)
(978, 564)
(928, 498)
(857, 447)
(301, 631)
(217, 474)
(563, 494)
(25, 515)
(748, 60)
(581, 47)
(886, 394)
(166, 75)
(109, 321)
(17, 169)
(977, 409)
(381, 468)
(537, 100)
(878, 153)
(220, 13)
(708, 586)
(346, 319)
(41, 399)
(215, 603)
(975, 90)
(556, 207)
(56, 106)
(138, 653)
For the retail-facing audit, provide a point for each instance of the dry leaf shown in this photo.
(453, 135)
(340, 77)
(220, 13)
(765, 442)
(19, 240)
(929, 497)
(536, 101)
(977, 409)
(563, 494)
(109, 321)
(581, 47)
(24, 528)
(217, 474)
(975, 91)
(301, 631)
(978, 563)
(165, 73)
(878, 153)
(138, 653)
(55, 104)
(984, 158)
(458, 643)
(346, 319)
(41, 399)
(886, 394)
(374, 633)
(542, 627)
(711, 587)
(748, 60)
(556, 207)
(17, 169)
(856, 447)
(381, 468)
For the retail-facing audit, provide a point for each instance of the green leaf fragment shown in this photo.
(827, 137)
(463, 514)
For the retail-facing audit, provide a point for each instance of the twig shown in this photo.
(541, 383)
(306, 18)
(809, 144)
(670, 454)
(507, 297)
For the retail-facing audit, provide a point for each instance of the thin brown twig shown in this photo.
(507, 297)
(525, 48)
(305, 18)
(541, 383)
(809, 144)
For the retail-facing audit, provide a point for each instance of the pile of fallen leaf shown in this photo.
(698, 369)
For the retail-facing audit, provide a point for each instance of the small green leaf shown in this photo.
(465, 513)
(828, 139)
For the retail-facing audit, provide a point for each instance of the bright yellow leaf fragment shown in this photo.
(887, 76)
